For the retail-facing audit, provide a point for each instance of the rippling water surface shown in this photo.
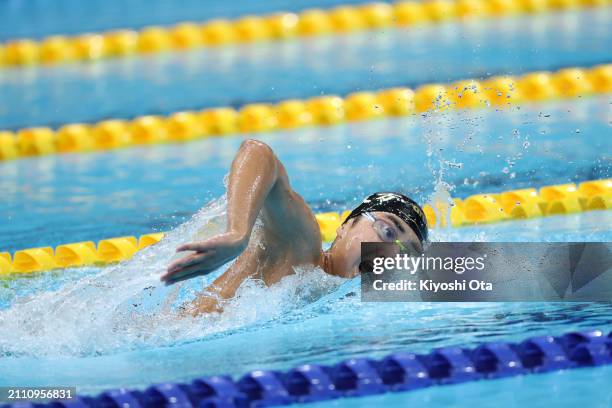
(117, 326)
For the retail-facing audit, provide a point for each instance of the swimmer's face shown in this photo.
(345, 252)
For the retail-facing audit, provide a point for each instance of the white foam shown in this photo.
(125, 306)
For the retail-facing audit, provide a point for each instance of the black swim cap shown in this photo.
(394, 203)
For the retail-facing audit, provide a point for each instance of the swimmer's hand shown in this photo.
(208, 256)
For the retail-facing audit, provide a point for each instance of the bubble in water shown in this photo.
(454, 165)
(126, 307)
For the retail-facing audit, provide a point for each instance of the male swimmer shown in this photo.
(290, 235)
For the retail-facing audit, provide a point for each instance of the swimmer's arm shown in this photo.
(256, 179)
(224, 287)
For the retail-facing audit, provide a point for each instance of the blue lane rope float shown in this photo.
(358, 377)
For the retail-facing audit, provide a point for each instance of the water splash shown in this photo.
(126, 307)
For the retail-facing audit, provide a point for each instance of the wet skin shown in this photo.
(289, 236)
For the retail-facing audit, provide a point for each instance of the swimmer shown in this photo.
(289, 236)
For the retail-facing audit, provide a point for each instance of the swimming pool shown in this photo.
(309, 317)
(269, 72)
(139, 190)
(100, 328)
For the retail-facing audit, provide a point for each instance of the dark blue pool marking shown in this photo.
(360, 377)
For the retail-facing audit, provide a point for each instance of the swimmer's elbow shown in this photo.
(257, 147)
(260, 151)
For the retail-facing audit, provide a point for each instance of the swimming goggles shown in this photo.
(385, 230)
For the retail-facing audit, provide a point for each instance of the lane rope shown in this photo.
(363, 377)
(274, 27)
(498, 92)
(474, 210)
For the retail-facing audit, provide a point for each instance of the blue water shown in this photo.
(270, 72)
(40, 18)
(98, 328)
(562, 390)
(70, 198)
(97, 334)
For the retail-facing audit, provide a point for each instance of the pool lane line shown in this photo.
(477, 209)
(363, 377)
(498, 91)
(279, 26)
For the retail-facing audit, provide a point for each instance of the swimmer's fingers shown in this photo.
(185, 273)
(186, 261)
(190, 266)
(228, 241)
(208, 256)
(193, 246)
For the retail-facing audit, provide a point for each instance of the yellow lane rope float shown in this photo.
(278, 26)
(327, 110)
(476, 209)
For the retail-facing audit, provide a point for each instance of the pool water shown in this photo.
(301, 68)
(39, 18)
(77, 197)
(98, 328)
(133, 338)
(562, 389)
